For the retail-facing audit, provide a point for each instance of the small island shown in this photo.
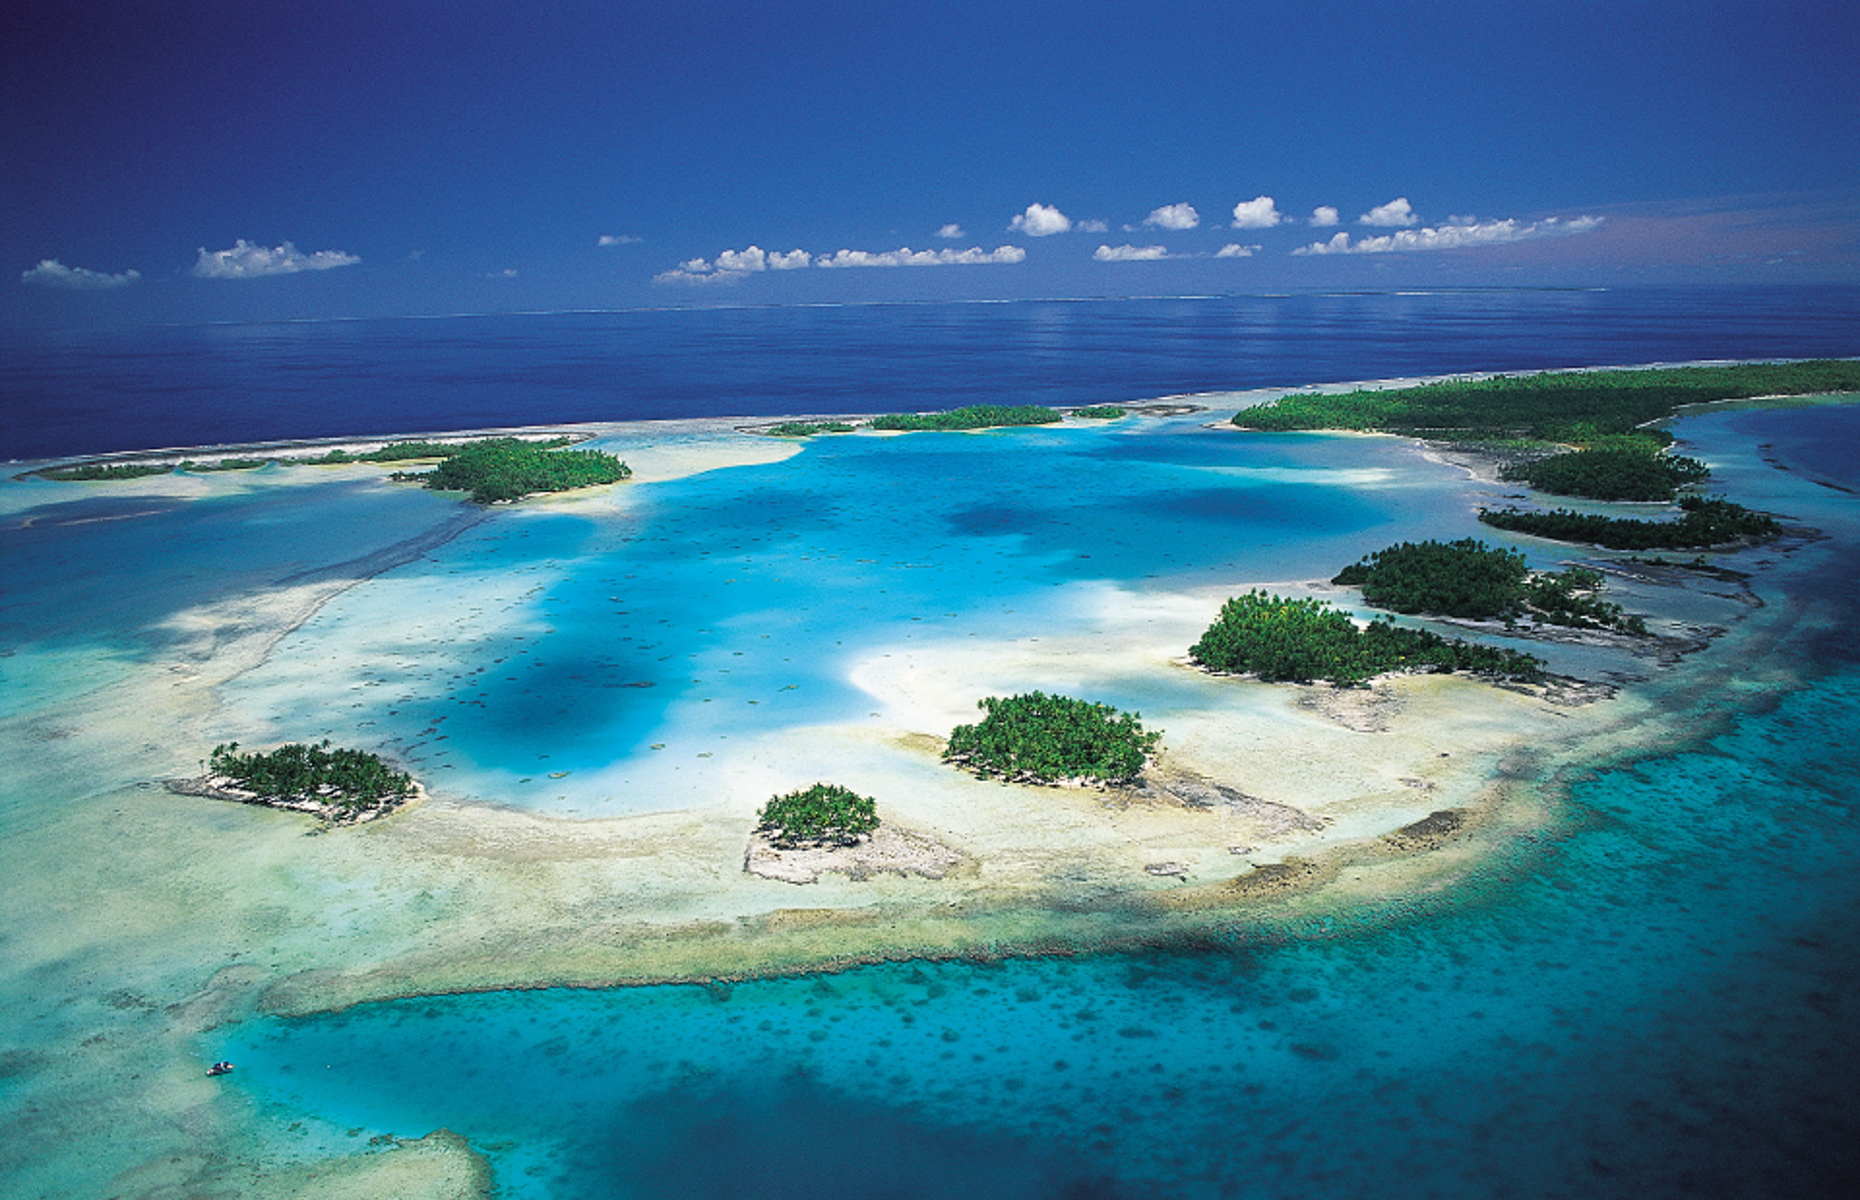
(825, 814)
(972, 416)
(1625, 467)
(1471, 580)
(1702, 523)
(1039, 738)
(1100, 412)
(803, 834)
(498, 470)
(334, 783)
(801, 429)
(1280, 639)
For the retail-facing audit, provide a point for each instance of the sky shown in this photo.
(177, 161)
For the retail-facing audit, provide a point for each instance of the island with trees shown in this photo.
(1282, 639)
(498, 470)
(1039, 738)
(1570, 407)
(1619, 467)
(337, 784)
(1100, 412)
(1474, 581)
(801, 429)
(407, 450)
(973, 416)
(1703, 522)
(824, 814)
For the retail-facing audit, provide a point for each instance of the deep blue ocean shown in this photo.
(1658, 1001)
(145, 387)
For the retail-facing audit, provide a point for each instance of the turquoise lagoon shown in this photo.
(626, 641)
(1656, 1000)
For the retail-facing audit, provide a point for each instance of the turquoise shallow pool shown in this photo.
(680, 615)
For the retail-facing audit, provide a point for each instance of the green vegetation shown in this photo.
(495, 469)
(808, 428)
(225, 464)
(1468, 578)
(1100, 412)
(1576, 407)
(1568, 597)
(1453, 579)
(349, 781)
(1039, 738)
(408, 451)
(974, 416)
(85, 472)
(1276, 638)
(1701, 523)
(825, 814)
(1627, 469)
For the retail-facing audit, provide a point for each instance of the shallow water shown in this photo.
(1656, 1000)
(621, 639)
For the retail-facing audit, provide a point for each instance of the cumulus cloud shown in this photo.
(1257, 213)
(1323, 215)
(52, 273)
(904, 256)
(617, 239)
(1396, 212)
(1129, 253)
(951, 231)
(1040, 220)
(1454, 237)
(1236, 250)
(1173, 216)
(1091, 226)
(243, 260)
(732, 265)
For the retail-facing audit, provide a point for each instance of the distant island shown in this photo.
(490, 470)
(497, 470)
(1576, 433)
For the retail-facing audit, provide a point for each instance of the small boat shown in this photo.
(220, 1068)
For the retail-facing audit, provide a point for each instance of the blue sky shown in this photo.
(184, 161)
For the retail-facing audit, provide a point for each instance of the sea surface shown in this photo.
(1656, 1001)
(80, 393)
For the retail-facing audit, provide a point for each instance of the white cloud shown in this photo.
(1091, 226)
(1040, 220)
(1129, 253)
(951, 231)
(732, 265)
(1173, 216)
(904, 256)
(1396, 212)
(617, 239)
(247, 261)
(1454, 237)
(1324, 215)
(1257, 213)
(1236, 250)
(52, 273)
(506, 273)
